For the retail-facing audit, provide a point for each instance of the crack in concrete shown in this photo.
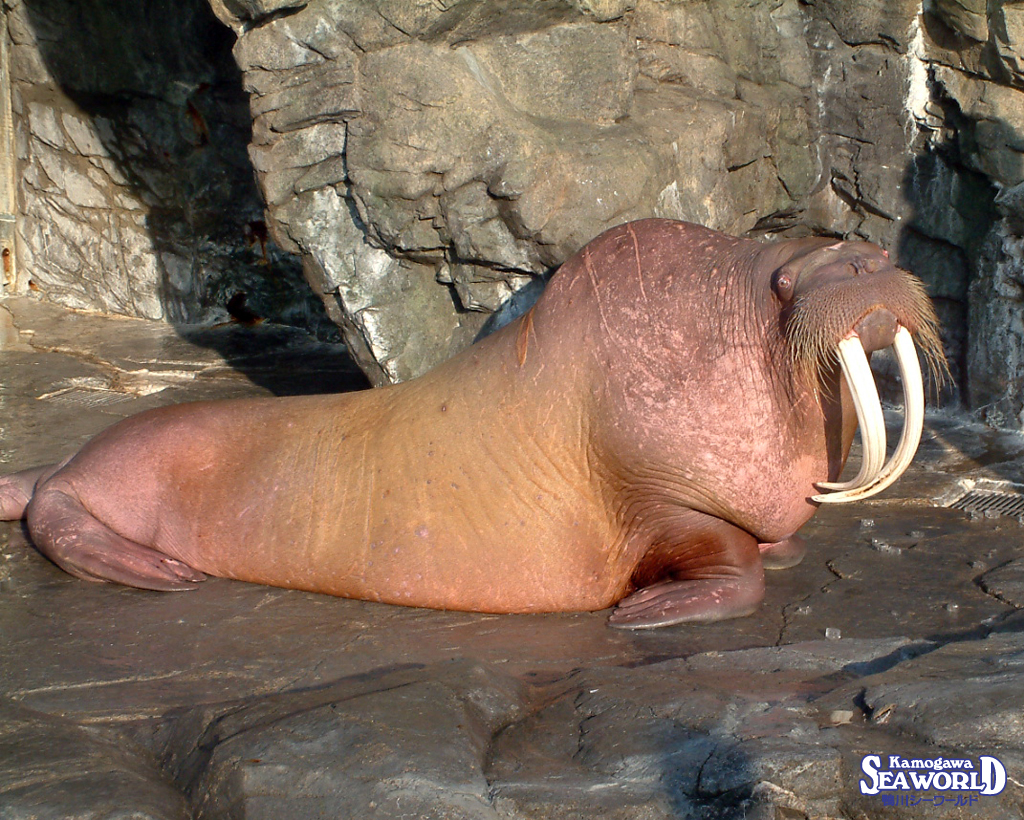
(830, 566)
(792, 606)
(697, 790)
(979, 582)
(263, 712)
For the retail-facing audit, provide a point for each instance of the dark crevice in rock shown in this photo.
(1004, 582)
(830, 566)
(791, 607)
(270, 17)
(135, 165)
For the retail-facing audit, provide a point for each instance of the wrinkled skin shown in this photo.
(644, 436)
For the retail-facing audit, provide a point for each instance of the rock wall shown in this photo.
(136, 195)
(430, 163)
(975, 55)
(484, 142)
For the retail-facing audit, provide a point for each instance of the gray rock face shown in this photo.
(973, 120)
(430, 730)
(136, 194)
(425, 165)
(520, 131)
(51, 769)
(485, 142)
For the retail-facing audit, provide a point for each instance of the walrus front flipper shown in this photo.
(16, 491)
(783, 554)
(66, 533)
(677, 602)
(714, 572)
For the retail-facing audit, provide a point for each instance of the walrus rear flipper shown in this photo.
(16, 490)
(70, 536)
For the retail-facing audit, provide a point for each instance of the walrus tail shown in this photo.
(79, 543)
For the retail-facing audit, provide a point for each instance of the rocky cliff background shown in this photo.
(424, 164)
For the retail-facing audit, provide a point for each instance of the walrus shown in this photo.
(652, 434)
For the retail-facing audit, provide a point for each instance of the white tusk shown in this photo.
(913, 424)
(869, 415)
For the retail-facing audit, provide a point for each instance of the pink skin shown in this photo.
(16, 490)
(783, 554)
(639, 438)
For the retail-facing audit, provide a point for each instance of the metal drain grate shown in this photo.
(985, 496)
(990, 502)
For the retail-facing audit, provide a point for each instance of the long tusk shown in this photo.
(913, 424)
(869, 415)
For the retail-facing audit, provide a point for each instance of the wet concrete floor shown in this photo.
(898, 634)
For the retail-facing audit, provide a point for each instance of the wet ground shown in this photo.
(898, 635)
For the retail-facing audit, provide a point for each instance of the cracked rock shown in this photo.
(136, 195)
(1006, 583)
(413, 749)
(483, 146)
(51, 769)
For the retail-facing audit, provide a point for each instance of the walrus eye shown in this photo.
(783, 286)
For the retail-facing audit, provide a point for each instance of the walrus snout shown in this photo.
(849, 300)
(852, 288)
(877, 330)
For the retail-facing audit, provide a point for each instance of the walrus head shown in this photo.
(840, 302)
